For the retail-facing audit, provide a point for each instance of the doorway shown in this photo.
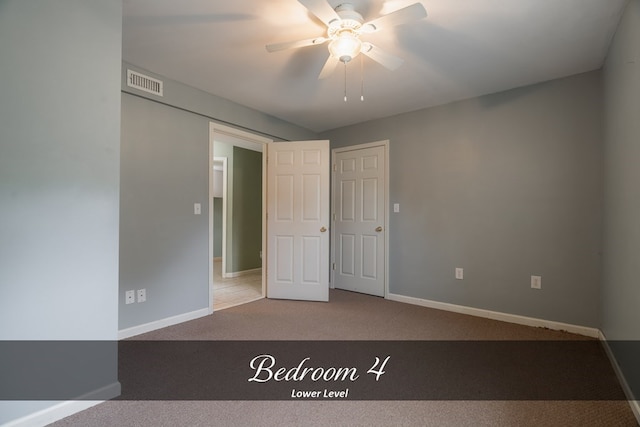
(360, 218)
(236, 216)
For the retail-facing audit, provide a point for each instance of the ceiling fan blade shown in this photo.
(291, 45)
(329, 67)
(321, 9)
(410, 13)
(386, 60)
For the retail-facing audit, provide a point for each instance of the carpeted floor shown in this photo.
(351, 316)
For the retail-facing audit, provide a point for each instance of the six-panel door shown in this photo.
(298, 220)
(359, 220)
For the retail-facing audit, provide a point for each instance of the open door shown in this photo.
(298, 220)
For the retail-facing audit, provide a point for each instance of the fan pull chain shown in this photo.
(345, 82)
(361, 77)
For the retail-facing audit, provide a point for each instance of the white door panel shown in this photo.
(359, 250)
(298, 220)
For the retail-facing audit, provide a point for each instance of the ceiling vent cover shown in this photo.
(145, 83)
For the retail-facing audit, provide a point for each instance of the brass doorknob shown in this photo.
(379, 229)
(322, 230)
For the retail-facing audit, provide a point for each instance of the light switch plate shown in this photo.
(536, 282)
(396, 207)
(459, 273)
(197, 209)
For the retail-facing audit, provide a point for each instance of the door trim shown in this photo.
(224, 212)
(385, 145)
(251, 138)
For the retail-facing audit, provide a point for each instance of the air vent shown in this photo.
(145, 83)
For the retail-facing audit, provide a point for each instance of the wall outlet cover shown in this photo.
(129, 297)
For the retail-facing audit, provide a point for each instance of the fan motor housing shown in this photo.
(350, 21)
(346, 11)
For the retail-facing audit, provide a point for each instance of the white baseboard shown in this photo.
(496, 315)
(635, 404)
(162, 323)
(242, 273)
(65, 409)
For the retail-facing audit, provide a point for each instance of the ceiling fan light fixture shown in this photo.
(368, 28)
(345, 46)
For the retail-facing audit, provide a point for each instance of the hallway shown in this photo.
(229, 292)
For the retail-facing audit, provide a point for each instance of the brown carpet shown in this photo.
(351, 316)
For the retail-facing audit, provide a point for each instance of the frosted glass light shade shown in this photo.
(345, 47)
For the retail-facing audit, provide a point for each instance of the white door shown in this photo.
(359, 221)
(298, 220)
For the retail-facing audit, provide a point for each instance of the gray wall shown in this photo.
(163, 246)
(505, 186)
(164, 171)
(621, 293)
(219, 109)
(59, 173)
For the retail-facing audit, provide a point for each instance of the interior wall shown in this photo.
(59, 177)
(217, 226)
(221, 149)
(505, 186)
(218, 202)
(165, 169)
(247, 209)
(218, 109)
(164, 246)
(621, 293)
(218, 178)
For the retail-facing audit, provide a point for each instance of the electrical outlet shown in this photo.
(459, 273)
(142, 295)
(396, 207)
(130, 297)
(536, 282)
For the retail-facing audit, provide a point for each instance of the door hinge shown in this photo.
(334, 217)
(335, 167)
(333, 266)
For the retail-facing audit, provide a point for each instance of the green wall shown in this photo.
(247, 209)
(217, 227)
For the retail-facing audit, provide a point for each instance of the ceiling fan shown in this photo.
(345, 26)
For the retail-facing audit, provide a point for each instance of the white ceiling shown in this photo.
(462, 49)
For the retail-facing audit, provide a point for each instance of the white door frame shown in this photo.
(385, 145)
(214, 129)
(224, 211)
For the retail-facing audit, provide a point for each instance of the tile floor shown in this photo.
(234, 291)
